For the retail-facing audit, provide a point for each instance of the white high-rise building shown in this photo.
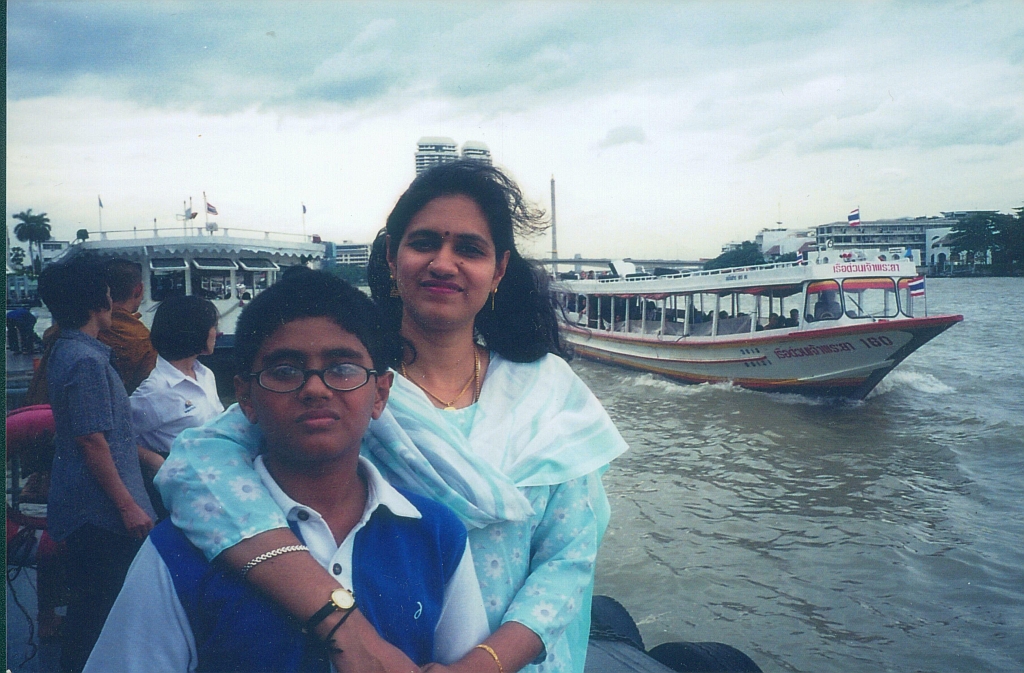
(434, 150)
(475, 150)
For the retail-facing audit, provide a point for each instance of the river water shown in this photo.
(883, 535)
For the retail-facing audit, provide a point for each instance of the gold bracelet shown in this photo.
(490, 650)
(271, 554)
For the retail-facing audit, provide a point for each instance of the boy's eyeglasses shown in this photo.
(287, 379)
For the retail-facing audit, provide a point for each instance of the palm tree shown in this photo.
(34, 228)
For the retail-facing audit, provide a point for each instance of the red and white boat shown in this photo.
(829, 325)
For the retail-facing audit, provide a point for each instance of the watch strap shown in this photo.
(323, 613)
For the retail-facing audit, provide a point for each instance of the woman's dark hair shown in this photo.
(181, 326)
(72, 290)
(521, 326)
(315, 294)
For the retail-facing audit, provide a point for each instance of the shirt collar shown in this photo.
(82, 337)
(172, 374)
(378, 493)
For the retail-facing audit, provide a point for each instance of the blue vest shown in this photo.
(400, 567)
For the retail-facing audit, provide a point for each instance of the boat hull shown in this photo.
(845, 361)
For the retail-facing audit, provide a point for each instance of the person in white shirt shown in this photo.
(180, 392)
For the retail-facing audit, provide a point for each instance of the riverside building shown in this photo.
(435, 150)
(905, 232)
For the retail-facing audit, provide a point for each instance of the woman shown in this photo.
(180, 392)
(485, 418)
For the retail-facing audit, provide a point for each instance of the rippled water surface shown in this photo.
(881, 535)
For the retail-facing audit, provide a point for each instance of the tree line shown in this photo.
(980, 233)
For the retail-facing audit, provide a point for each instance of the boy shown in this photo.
(98, 504)
(314, 361)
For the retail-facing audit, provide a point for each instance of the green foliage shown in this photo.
(33, 228)
(1002, 234)
(82, 234)
(18, 256)
(748, 254)
(788, 257)
(354, 274)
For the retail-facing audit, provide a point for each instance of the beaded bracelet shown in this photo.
(271, 554)
(490, 650)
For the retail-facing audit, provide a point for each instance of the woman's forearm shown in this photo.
(513, 644)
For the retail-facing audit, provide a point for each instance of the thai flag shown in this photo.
(916, 287)
(211, 209)
(853, 219)
(303, 208)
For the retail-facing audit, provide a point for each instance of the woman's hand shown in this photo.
(514, 644)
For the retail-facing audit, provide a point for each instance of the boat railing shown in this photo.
(708, 272)
(221, 232)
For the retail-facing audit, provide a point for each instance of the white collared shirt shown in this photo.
(147, 629)
(168, 402)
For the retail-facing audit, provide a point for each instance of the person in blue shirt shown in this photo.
(314, 365)
(97, 502)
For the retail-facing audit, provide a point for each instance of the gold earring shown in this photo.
(494, 293)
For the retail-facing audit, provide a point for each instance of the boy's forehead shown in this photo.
(312, 336)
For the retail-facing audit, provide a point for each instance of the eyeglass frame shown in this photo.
(307, 373)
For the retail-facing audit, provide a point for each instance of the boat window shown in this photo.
(703, 314)
(823, 301)
(735, 311)
(164, 284)
(257, 264)
(870, 298)
(211, 278)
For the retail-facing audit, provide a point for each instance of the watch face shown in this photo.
(343, 599)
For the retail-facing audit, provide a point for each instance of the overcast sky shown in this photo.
(670, 127)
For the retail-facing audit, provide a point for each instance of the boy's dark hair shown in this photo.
(314, 294)
(72, 290)
(181, 326)
(520, 323)
(123, 277)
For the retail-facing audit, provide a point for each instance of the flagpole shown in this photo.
(206, 212)
(303, 222)
(99, 210)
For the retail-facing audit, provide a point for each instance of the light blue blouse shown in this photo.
(535, 508)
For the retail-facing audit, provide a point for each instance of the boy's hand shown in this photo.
(136, 521)
(364, 651)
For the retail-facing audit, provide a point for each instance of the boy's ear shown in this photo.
(383, 390)
(243, 393)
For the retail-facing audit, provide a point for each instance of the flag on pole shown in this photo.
(303, 208)
(853, 219)
(916, 287)
(100, 200)
(211, 209)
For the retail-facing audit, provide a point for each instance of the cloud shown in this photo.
(623, 135)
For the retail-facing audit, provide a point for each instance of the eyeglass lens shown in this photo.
(340, 377)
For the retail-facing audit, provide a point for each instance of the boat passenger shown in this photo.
(773, 321)
(134, 355)
(486, 418)
(794, 318)
(827, 308)
(320, 370)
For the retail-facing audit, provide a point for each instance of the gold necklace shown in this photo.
(475, 379)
